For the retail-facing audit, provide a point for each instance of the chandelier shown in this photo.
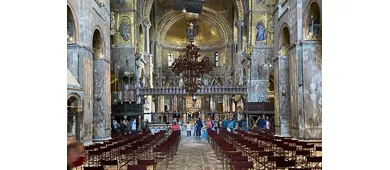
(191, 68)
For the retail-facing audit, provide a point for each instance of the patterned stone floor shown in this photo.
(193, 154)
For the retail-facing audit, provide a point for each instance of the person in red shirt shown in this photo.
(175, 126)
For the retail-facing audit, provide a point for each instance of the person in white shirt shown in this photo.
(189, 128)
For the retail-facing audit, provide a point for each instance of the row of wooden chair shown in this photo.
(264, 150)
(167, 150)
(122, 151)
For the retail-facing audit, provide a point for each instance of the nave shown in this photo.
(219, 150)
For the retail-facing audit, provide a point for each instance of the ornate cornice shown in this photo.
(203, 46)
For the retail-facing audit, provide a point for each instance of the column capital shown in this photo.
(240, 23)
(146, 23)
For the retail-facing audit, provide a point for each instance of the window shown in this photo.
(216, 59)
(169, 59)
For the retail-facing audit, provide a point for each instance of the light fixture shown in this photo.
(184, 10)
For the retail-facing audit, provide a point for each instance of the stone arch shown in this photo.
(97, 44)
(313, 9)
(73, 21)
(284, 40)
(75, 116)
(149, 3)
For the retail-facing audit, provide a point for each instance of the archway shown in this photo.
(282, 73)
(74, 120)
(97, 45)
(71, 26)
(312, 22)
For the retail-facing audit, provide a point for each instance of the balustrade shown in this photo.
(181, 91)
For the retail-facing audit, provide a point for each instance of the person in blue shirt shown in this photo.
(232, 125)
(244, 125)
(262, 123)
(224, 124)
(199, 126)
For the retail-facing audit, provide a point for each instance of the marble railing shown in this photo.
(203, 91)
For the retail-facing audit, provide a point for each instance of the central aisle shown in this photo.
(193, 154)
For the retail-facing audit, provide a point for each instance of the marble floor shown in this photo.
(193, 154)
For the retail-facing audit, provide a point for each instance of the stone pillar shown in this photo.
(283, 86)
(260, 69)
(311, 119)
(239, 24)
(146, 25)
(101, 100)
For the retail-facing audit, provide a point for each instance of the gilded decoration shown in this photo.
(148, 7)
(209, 15)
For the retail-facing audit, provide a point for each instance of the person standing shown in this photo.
(244, 126)
(232, 125)
(134, 127)
(175, 126)
(147, 124)
(225, 124)
(263, 123)
(240, 123)
(267, 125)
(209, 124)
(199, 126)
(188, 128)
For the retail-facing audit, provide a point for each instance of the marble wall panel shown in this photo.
(312, 84)
(284, 96)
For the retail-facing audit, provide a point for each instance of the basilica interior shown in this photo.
(168, 62)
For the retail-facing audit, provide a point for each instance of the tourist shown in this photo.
(209, 124)
(75, 154)
(134, 127)
(199, 126)
(175, 126)
(143, 125)
(244, 125)
(188, 126)
(267, 125)
(232, 125)
(225, 124)
(240, 123)
(147, 124)
(262, 123)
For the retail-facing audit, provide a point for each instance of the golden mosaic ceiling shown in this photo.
(209, 33)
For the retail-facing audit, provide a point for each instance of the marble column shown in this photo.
(239, 24)
(283, 83)
(260, 69)
(146, 25)
(239, 55)
(101, 100)
(311, 119)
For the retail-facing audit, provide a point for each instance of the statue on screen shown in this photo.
(124, 30)
(260, 35)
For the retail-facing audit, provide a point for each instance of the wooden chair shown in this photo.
(94, 168)
(136, 167)
(110, 163)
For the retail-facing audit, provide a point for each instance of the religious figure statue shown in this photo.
(260, 35)
(124, 31)
(190, 32)
(70, 27)
(314, 26)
